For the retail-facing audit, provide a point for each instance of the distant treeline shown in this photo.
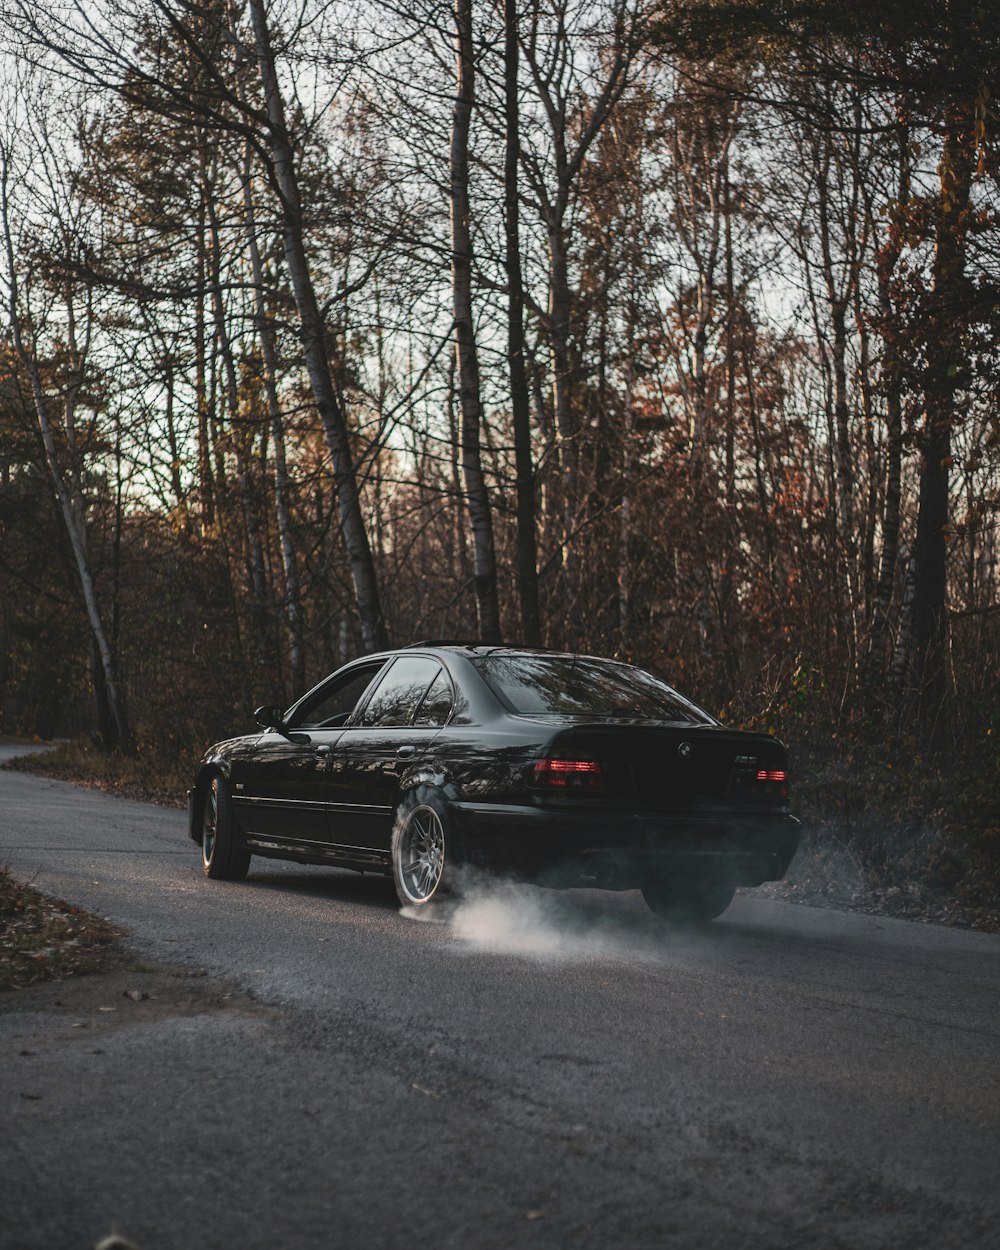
(668, 331)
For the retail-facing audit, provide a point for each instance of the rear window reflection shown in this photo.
(533, 685)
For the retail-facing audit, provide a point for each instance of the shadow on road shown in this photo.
(337, 885)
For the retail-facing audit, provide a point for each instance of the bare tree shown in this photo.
(66, 485)
(520, 400)
(469, 396)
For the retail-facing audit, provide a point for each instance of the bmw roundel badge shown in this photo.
(684, 750)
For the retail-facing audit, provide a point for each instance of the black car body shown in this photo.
(562, 769)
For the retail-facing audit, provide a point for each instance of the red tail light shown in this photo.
(777, 775)
(567, 774)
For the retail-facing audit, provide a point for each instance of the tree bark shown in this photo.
(469, 395)
(838, 300)
(520, 401)
(261, 639)
(292, 599)
(72, 511)
(892, 386)
(946, 352)
(312, 332)
(572, 139)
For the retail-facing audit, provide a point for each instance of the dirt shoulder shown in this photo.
(810, 885)
(65, 969)
(124, 991)
(45, 939)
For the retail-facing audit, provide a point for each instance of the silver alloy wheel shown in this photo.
(420, 854)
(209, 824)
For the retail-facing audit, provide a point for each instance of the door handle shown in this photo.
(324, 749)
(405, 753)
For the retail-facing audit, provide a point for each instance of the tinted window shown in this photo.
(334, 702)
(536, 685)
(399, 691)
(436, 706)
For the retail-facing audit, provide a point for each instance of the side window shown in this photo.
(436, 706)
(333, 703)
(399, 691)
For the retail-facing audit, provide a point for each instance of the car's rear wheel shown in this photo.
(222, 857)
(688, 899)
(422, 867)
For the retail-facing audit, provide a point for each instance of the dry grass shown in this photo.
(145, 776)
(43, 939)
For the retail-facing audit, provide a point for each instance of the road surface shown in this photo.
(539, 1070)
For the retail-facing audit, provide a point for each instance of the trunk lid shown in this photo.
(670, 765)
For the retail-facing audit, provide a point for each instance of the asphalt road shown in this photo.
(540, 1070)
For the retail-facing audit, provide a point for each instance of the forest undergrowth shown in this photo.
(892, 830)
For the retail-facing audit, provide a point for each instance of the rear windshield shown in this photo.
(566, 685)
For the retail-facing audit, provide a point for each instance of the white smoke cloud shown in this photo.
(549, 925)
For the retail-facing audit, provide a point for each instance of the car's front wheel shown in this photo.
(688, 899)
(422, 849)
(222, 857)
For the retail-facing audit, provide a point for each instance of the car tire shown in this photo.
(222, 857)
(423, 849)
(687, 900)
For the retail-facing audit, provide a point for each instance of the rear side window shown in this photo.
(437, 702)
(568, 685)
(399, 692)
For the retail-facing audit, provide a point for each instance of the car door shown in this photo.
(392, 730)
(283, 792)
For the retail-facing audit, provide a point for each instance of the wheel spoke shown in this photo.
(420, 854)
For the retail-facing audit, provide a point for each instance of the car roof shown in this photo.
(461, 644)
(492, 648)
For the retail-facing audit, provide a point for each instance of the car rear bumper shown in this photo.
(614, 850)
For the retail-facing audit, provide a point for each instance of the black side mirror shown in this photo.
(270, 717)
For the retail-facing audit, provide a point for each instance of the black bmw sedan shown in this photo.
(565, 770)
